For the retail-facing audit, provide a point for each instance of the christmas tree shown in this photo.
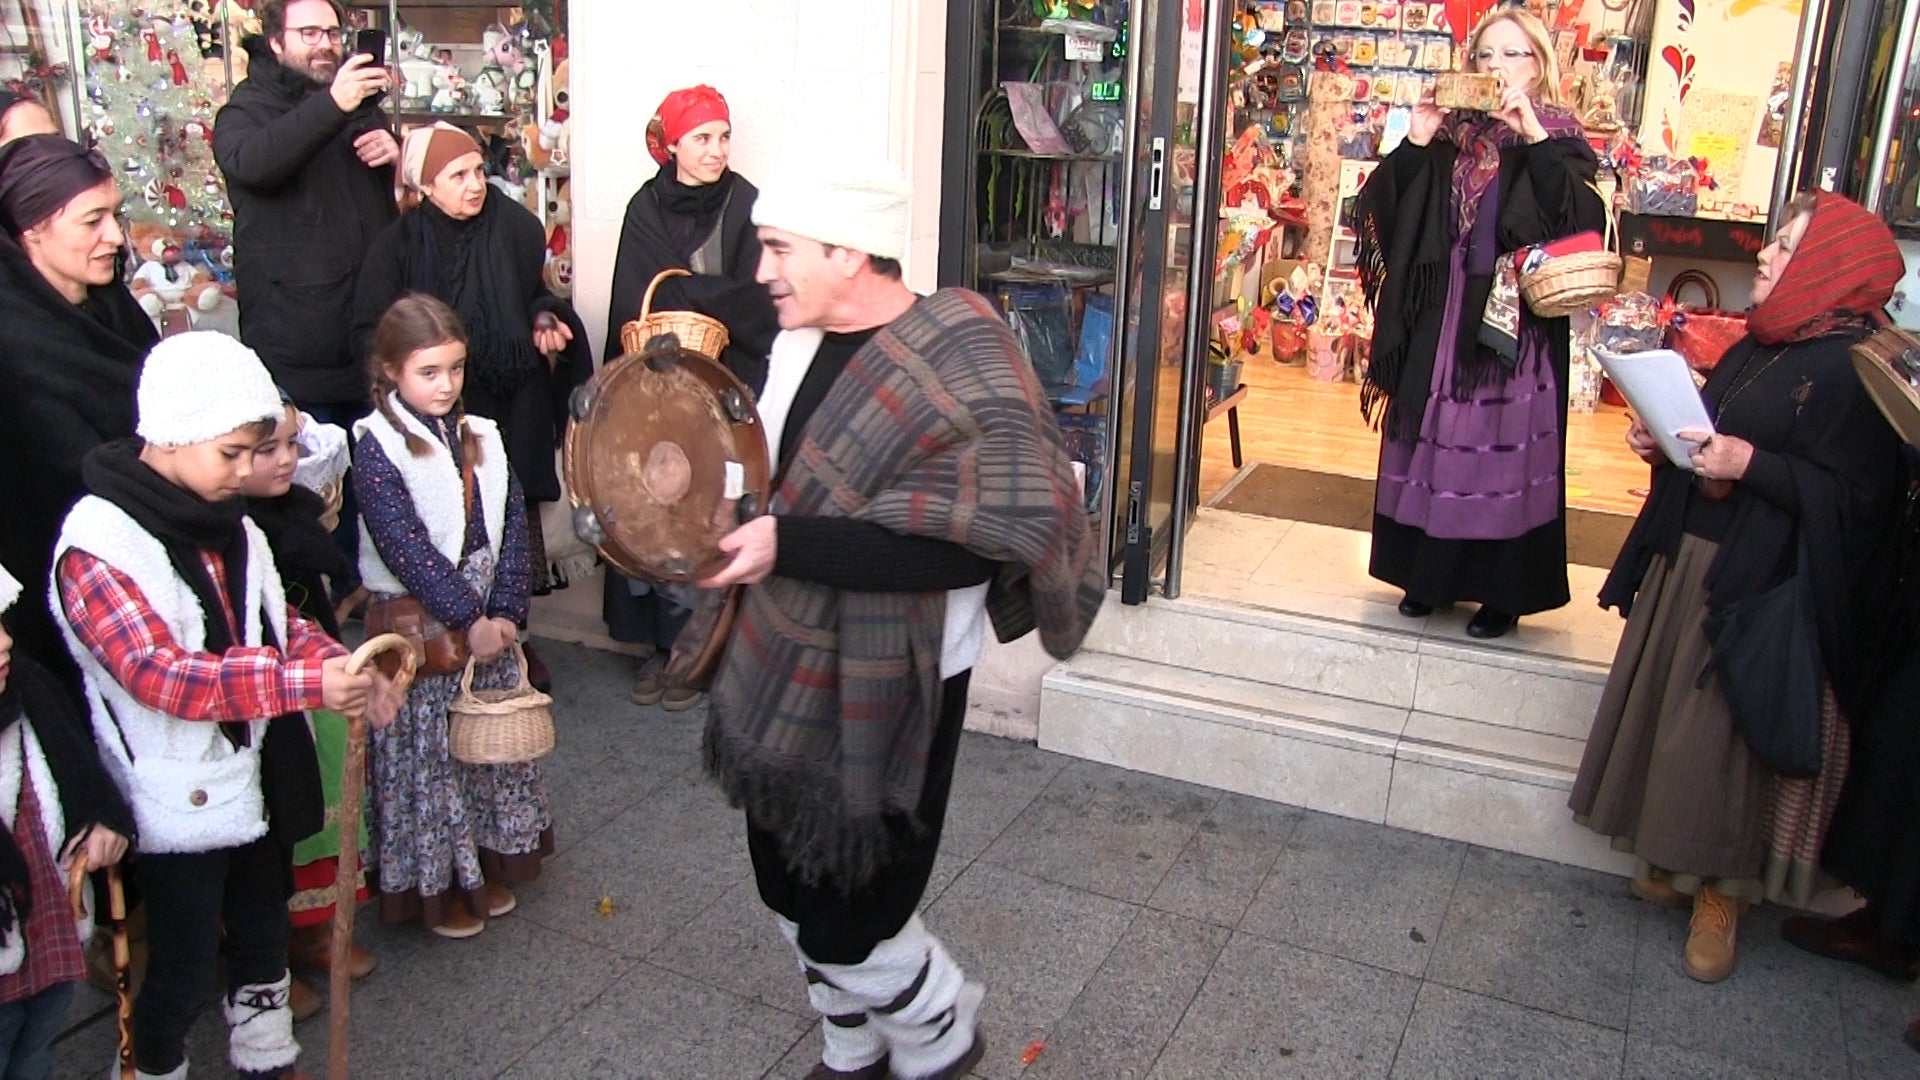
(154, 78)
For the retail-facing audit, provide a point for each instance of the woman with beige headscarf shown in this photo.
(480, 252)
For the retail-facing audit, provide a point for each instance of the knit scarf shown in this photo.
(692, 210)
(1841, 276)
(468, 264)
(186, 525)
(824, 706)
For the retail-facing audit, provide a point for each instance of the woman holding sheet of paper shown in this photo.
(1799, 458)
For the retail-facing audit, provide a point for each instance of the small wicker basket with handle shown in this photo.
(697, 333)
(1567, 285)
(500, 727)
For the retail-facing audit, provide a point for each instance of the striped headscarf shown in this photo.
(1843, 273)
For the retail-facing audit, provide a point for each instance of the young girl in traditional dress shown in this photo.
(450, 839)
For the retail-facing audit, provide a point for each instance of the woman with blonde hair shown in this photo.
(1468, 386)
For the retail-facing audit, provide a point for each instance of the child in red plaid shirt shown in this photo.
(57, 805)
(178, 619)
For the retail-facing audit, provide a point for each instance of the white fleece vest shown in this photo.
(434, 483)
(20, 755)
(190, 789)
(964, 636)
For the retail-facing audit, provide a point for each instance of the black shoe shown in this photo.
(537, 674)
(1414, 609)
(1488, 623)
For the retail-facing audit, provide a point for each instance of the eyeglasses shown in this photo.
(312, 35)
(1509, 55)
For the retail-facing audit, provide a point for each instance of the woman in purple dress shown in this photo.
(1469, 387)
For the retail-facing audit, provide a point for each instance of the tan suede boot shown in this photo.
(1711, 935)
(1659, 892)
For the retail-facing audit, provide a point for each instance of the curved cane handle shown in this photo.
(77, 884)
(364, 656)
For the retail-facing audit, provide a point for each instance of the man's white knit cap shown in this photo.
(200, 385)
(861, 205)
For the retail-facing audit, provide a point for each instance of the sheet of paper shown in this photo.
(1658, 384)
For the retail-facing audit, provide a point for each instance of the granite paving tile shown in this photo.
(1541, 935)
(1359, 891)
(1103, 829)
(1231, 853)
(1455, 1035)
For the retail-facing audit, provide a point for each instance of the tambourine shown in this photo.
(1888, 364)
(664, 456)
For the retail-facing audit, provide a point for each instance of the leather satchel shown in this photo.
(439, 649)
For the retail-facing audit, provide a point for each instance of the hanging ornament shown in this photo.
(179, 69)
(152, 41)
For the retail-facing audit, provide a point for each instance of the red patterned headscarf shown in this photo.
(1842, 273)
(681, 112)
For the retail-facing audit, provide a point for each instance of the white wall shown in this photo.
(800, 76)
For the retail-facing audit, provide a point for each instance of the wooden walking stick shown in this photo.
(353, 783)
(122, 952)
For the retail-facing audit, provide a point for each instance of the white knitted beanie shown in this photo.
(9, 590)
(862, 206)
(200, 385)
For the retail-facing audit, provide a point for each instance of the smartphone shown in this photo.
(373, 42)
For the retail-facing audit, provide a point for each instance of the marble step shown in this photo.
(1494, 785)
(1518, 682)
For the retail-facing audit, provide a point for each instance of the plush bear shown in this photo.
(547, 143)
(175, 293)
(558, 273)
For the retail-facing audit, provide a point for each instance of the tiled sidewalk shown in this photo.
(1126, 926)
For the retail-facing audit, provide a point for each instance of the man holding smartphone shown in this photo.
(308, 159)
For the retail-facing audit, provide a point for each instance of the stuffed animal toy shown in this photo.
(548, 143)
(449, 86)
(173, 292)
(506, 68)
(416, 67)
(558, 273)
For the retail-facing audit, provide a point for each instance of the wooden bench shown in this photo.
(1230, 405)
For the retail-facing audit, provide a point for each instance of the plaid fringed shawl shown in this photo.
(824, 706)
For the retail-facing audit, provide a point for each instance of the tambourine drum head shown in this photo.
(665, 456)
(1881, 362)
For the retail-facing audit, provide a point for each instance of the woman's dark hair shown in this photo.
(416, 321)
(273, 16)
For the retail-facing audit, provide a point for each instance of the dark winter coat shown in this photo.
(487, 268)
(305, 207)
(654, 237)
(67, 378)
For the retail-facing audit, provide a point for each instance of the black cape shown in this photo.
(1825, 465)
(67, 379)
(487, 268)
(731, 296)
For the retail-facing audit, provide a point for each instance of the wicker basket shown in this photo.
(1570, 284)
(499, 727)
(696, 332)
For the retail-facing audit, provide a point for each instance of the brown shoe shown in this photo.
(1913, 1034)
(967, 1060)
(458, 923)
(500, 900)
(1659, 892)
(1854, 938)
(312, 948)
(680, 698)
(651, 684)
(1711, 935)
(303, 1001)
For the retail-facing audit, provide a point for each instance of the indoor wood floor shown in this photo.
(1290, 419)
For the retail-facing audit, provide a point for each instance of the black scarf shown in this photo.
(1403, 251)
(303, 550)
(469, 264)
(185, 525)
(692, 210)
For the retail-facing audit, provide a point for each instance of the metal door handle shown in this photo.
(1157, 176)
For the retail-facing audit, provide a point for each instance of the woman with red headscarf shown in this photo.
(1800, 465)
(694, 215)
